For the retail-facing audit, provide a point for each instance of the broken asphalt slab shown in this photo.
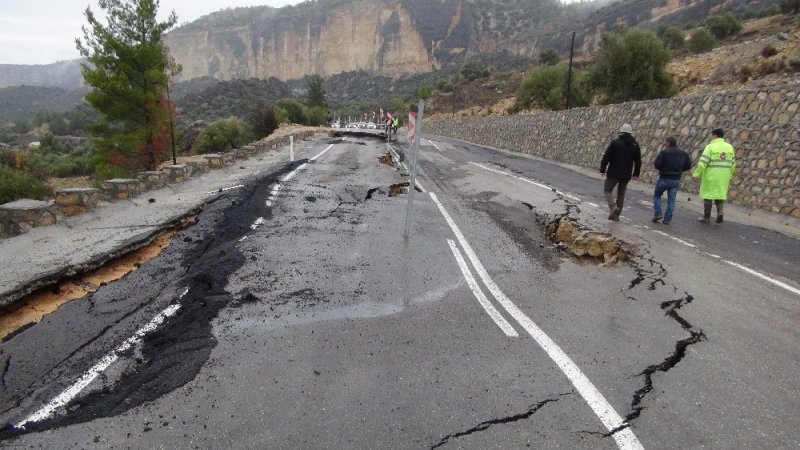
(45, 255)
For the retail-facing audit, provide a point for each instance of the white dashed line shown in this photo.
(592, 205)
(688, 244)
(238, 186)
(543, 186)
(763, 277)
(624, 437)
(485, 303)
(433, 144)
(71, 392)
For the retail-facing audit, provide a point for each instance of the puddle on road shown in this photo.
(587, 245)
(30, 309)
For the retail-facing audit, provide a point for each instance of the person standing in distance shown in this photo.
(670, 163)
(715, 170)
(623, 157)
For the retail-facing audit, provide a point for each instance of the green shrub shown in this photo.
(790, 6)
(672, 36)
(15, 185)
(723, 26)
(221, 136)
(631, 65)
(474, 69)
(549, 57)
(701, 41)
(546, 88)
(296, 112)
(264, 121)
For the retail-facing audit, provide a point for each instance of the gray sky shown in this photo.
(44, 31)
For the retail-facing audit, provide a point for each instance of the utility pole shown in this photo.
(171, 128)
(569, 76)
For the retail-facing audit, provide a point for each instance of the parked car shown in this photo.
(371, 126)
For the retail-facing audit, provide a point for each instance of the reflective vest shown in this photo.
(396, 122)
(715, 169)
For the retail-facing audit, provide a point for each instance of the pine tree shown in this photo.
(128, 68)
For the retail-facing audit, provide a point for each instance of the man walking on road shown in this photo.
(622, 157)
(670, 163)
(715, 170)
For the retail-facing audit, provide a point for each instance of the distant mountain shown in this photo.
(25, 101)
(63, 74)
(387, 37)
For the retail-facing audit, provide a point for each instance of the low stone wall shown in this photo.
(20, 216)
(762, 125)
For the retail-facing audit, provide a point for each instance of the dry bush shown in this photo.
(770, 67)
(744, 73)
(769, 51)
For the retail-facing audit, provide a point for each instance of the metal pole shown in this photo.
(413, 180)
(291, 147)
(569, 77)
(171, 128)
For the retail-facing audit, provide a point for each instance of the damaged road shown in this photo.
(294, 313)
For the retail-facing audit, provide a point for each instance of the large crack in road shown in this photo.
(172, 355)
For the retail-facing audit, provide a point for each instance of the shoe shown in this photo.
(666, 222)
(703, 220)
(719, 219)
(614, 215)
(657, 219)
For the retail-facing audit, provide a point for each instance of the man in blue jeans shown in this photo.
(670, 163)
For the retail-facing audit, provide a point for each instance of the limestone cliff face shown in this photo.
(382, 37)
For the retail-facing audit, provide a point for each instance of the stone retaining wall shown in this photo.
(20, 216)
(763, 126)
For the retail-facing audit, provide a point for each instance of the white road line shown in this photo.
(278, 187)
(762, 276)
(433, 144)
(322, 152)
(688, 244)
(487, 305)
(543, 186)
(625, 438)
(239, 186)
(592, 205)
(260, 221)
(71, 392)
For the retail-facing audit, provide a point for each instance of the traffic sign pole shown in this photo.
(415, 133)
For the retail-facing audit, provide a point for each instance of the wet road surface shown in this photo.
(294, 313)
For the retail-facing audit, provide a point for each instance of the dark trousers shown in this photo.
(608, 187)
(707, 207)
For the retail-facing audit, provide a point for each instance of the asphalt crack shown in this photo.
(655, 275)
(502, 420)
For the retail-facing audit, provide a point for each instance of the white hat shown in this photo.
(626, 128)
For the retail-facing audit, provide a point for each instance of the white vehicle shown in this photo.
(371, 126)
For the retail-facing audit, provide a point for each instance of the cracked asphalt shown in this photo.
(310, 321)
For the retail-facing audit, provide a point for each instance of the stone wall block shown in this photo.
(177, 173)
(21, 216)
(152, 179)
(122, 188)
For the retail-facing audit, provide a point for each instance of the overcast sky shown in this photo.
(44, 31)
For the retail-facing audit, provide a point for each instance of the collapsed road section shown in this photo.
(170, 355)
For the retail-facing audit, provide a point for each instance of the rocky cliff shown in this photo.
(383, 37)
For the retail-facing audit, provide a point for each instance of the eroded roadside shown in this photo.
(171, 355)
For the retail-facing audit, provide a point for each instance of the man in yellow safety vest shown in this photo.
(715, 170)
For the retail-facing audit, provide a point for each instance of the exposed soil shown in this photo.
(586, 245)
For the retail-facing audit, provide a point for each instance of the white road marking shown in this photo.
(487, 305)
(737, 265)
(688, 244)
(763, 277)
(71, 392)
(592, 205)
(625, 438)
(278, 187)
(543, 186)
(238, 186)
(260, 221)
(433, 144)
(645, 203)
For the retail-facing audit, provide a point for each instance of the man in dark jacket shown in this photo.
(623, 157)
(670, 163)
